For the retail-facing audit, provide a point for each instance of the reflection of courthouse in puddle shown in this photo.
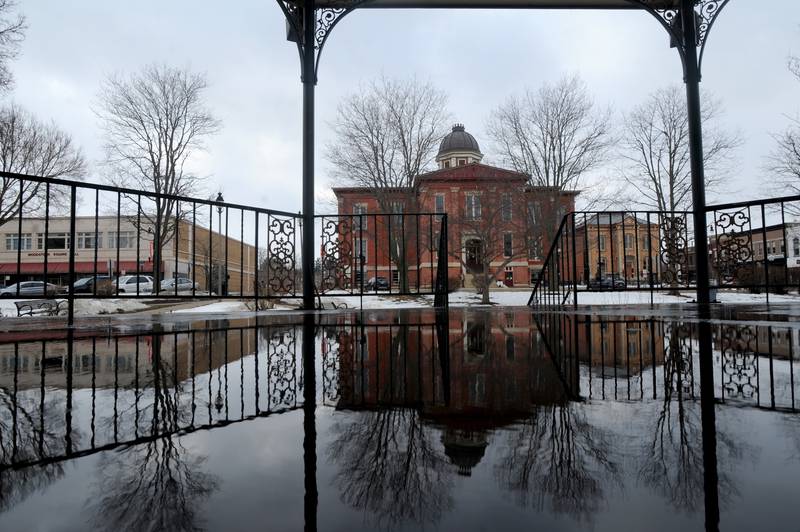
(483, 372)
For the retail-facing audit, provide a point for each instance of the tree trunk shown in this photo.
(486, 282)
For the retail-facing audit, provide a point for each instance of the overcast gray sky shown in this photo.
(477, 57)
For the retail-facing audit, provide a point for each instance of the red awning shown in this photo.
(30, 268)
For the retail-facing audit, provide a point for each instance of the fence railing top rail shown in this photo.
(355, 215)
(751, 203)
(135, 192)
(629, 211)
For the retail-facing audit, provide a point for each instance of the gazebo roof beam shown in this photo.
(490, 4)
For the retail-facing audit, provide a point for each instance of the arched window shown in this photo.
(796, 246)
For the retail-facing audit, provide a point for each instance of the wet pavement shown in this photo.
(485, 419)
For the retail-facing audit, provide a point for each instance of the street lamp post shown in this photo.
(219, 225)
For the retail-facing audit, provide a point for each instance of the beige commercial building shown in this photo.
(111, 246)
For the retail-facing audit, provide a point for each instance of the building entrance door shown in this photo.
(474, 262)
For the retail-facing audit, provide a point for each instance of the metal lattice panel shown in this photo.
(337, 253)
(734, 243)
(674, 247)
(281, 261)
(282, 369)
(739, 362)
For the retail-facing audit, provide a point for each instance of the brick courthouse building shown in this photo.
(485, 205)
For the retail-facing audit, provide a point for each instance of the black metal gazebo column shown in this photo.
(692, 70)
(309, 27)
(309, 79)
(688, 23)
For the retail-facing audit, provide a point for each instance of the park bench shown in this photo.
(41, 307)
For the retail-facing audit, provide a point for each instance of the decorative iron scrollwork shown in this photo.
(667, 16)
(706, 12)
(734, 243)
(282, 369)
(739, 362)
(337, 253)
(281, 261)
(330, 367)
(324, 21)
(338, 355)
(674, 248)
(678, 366)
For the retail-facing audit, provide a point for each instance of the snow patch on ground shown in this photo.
(83, 307)
(515, 298)
(460, 298)
(222, 307)
(643, 298)
(95, 307)
(7, 307)
(215, 308)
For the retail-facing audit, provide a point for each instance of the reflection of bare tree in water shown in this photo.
(389, 467)
(673, 458)
(36, 438)
(556, 457)
(155, 485)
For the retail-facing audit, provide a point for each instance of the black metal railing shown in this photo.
(121, 241)
(75, 240)
(399, 254)
(752, 246)
(755, 245)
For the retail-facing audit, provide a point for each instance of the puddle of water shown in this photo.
(467, 420)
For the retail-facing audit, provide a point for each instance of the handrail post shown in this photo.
(574, 265)
(71, 276)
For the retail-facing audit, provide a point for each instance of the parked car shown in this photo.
(128, 284)
(607, 282)
(105, 285)
(184, 285)
(377, 283)
(30, 288)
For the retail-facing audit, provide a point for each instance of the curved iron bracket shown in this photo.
(706, 13)
(325, 20)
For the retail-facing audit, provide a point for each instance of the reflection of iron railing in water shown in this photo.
(637, 359)
(74, 394)
(141, 387)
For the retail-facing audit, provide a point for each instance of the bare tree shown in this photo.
(554, 135)
(490, 225)
(783, 163)
(385, 136)
(155, 121)
(672, 461)
(157, 484)
(557, 460)
(390, 466)
(655, 150)
(12, 31)
(39, 430)
(657, 164)
(29, 146)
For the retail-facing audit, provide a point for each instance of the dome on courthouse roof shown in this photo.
(458, 148)
(458, 140)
